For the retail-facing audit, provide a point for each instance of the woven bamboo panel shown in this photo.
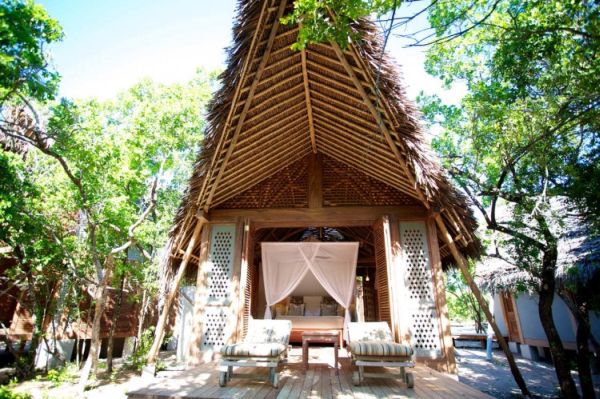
(286, 189)
(344, 185)
(381, 278)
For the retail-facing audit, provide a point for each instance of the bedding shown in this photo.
(315, 322)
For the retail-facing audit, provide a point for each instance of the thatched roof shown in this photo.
(276, 106)
(578, 253)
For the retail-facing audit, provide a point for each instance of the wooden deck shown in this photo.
(319, 382)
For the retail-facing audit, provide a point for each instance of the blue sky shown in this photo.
(110, 45)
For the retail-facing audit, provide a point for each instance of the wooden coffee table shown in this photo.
(322, 336)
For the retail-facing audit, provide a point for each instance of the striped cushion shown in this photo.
(380, 348)
(248, 349)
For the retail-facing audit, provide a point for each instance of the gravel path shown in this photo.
(494, 377)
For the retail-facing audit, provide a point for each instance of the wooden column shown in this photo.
(200, 300)
(237, 278)
(440, 296)
(396, 282)
(162, 320)
(315, 181)
(245, 234)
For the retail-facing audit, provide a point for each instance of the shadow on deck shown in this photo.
(319, 382)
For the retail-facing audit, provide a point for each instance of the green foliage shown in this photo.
(25, 28)
(462, 305)
(7, 393)
(137, 360)
(318, 25)
(66, 374)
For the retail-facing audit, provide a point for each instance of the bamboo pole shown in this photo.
(462, 264)
(162, 320)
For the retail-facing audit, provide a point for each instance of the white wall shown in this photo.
(499, 315)
(531, 325)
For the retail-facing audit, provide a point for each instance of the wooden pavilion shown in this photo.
(320, 140)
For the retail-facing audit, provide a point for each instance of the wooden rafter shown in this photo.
(311, 127)
(263, 14)
(380, 122)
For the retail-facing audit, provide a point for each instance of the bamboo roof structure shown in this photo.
(277, 106)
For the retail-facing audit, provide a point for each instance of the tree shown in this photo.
(524, 131)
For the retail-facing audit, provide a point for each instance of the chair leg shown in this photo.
(361, 373)
(229, 373)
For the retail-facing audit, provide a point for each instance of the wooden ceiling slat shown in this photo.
(249, 142)
(275, 87)
(253, 160)
(347, 116)
(372, 161)
(259, 150)
(363, 141)
(326, 98)
(335, 126)
(263, 173)
(278, 104)
(350, 124)
(268, 122)
(378, 173)
(294, 63)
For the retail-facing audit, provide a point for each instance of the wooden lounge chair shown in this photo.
(371, 344)
(265, 345)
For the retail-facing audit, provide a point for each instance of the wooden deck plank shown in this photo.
(320, 381)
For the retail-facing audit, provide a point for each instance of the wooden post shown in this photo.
(387, 240)
(462, 264)
(440, 297)
(162, 320)
(315, 182)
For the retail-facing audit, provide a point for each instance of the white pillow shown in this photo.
(312, 305)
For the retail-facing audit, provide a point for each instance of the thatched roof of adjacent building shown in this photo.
(277, 106)
(578, 253)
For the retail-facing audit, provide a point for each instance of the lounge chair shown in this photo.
(265, 345)
(371, 344)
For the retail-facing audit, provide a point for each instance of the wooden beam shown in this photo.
(162, 320)
(315, 181)
(236, 95)
(380, 121)
(462, 264)
(311, 127)
(440, 296)
(339, 215)
(240, 122)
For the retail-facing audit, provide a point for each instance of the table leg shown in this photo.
(335, 355)
(305, 355)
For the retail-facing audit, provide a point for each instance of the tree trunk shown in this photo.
(141, 319)
(583, 353)
(100, 298)
(462, 264)
(546, 295)
(113, 326)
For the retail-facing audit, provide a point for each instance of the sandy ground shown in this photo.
(494, 377)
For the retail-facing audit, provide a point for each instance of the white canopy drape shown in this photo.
(333, 264)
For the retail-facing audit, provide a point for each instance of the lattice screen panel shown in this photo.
(222, 245)
(420, 299)
(216, 328)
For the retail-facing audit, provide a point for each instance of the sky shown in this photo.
(110, 45)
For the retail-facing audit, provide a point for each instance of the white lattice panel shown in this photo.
(216, 328)
(418, 280)
(222, 249)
